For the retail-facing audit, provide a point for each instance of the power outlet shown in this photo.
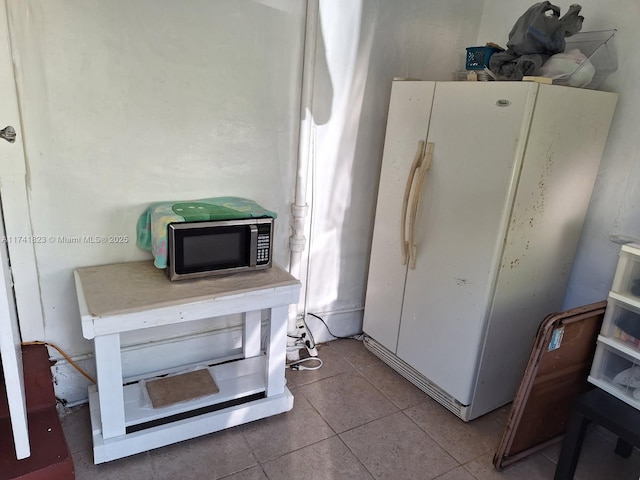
(306, 338)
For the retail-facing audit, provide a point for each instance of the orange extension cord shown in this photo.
(67, 358)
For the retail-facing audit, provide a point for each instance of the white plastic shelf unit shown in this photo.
(616, 364)
(119, 298)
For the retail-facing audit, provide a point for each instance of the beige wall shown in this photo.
(125, 103)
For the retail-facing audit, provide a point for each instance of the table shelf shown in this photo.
(235, 380)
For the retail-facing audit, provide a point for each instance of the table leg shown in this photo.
(251, 333)
(623, 448)
(276, 350)
(571, 446)
(110, 392)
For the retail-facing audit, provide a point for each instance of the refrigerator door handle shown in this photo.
(422, 171)
(417, 161)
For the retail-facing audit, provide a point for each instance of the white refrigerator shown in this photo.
(483, 191)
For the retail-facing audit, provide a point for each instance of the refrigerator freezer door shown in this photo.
(407, 125)
(479, 132)
(567, 136)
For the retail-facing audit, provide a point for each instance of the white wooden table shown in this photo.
(131, 296)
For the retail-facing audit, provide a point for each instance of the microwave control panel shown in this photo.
(264, 245)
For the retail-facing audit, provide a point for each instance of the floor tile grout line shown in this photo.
(432, 438)
(317, 411)
(429, 398)
(403, 411)
(354, 427)
(444, 448)
(442, 475)
(258, 465)
(335, 435)
(151, 465)
(338, 434)
(346, 359)
(297, 449)
(284, 454)
(385, 395)
(241, 429)
(356, 456)
(469, 471)
(398, 410)
(371, 473)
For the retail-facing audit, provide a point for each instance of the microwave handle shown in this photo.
(253, 245)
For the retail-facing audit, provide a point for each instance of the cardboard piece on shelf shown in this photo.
(179, 388)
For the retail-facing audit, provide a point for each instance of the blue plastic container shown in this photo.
(478, 57)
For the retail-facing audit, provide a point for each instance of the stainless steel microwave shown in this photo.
(200, 249)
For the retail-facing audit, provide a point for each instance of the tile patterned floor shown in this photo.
(354, 418)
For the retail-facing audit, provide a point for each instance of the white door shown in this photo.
(11, 355)
(465, 205)
(14, 205)
(407, 125)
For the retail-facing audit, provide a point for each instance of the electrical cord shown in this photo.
(297, 365)
(67, 358)
(357, 336)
